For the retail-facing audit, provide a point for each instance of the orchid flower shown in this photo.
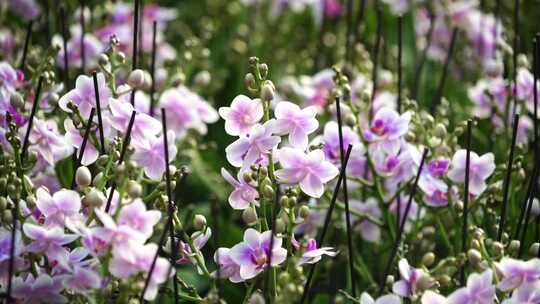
(83, 95)
(56, 208)
(243, 114)
(296, 122)
(243, 195)
(481, 167)
(149, 154)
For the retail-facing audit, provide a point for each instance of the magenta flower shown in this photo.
(311, 171)
(368, 230)
(310, 253)
(243, 114)
(149, 154)
(228, 269)
(330, 141)
(253, 253)
(365, 298)
(143, 126)
(387, 128)
(78, 276)
(136, 216)
(433, 185)
(479, 290)
(83, 95)
(48, 240)
(296, 122)
(73, 137)
(47, 142)
(187, 110)
(199, 239)
(431, 297)
(408, 285)
(481, 167)
(243, 194)
(246, 151)
(128, 232)
(528, 293)
(516, 272)
(43, 289)
(138, 258)
(57, 208)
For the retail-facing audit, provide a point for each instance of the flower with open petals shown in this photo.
(517, 272)
(43, 289)
(331, 144)
(47, 142)
(243, 114)
(479, 290)
(481, 167)
(199, 239)
(296, 122)
(387, 128)
(251, 149)
(412, 279)
(310, 253)
(143, 126)
(528, 293)
(311, 171)
(83, 95)
(253, 253)
(365, 298)
(431, 297)
(61, 205)
(228, 269)
(243, 194)
(150, 155)
(136, 216)
(73, 136)
(48, 240)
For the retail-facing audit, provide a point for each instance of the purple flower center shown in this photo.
(258, 257)
(378, 127)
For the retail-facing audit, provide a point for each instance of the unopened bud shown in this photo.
(199, 222)
(474, 256)
(202, 78)
(136, 79)
(268, 91)
(304, 212)
(249, 215)
(94, 198)
(83, 177)
(134, 189)
(428, 259)
(16, 100)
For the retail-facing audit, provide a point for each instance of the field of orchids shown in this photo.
(269, 151)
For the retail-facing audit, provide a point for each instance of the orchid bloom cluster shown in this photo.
(331, 186)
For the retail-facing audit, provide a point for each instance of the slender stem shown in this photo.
(83, 146)
(153, 70)
(125, 145)
(98, 105)
(31, 119)
(399, 234)
(464, 230)
(346, 199)
(327, 222)
(442, 82)
(357, 22)
(135, 35)
(26, 43)
(507, 178)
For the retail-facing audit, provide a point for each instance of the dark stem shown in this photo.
(327, 219)
(346, 199)
(31, 119)
(153, 70)
(464, 230)
(507, 178)
(64, 39)
(399, 233)
(172, 207)
(26, 43)
(98, 105)
(125, 145)
(135, 35)
(349, 29)
(83, 146)
(357, 22)
(442, 82)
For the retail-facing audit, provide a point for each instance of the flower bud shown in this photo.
(303, 212)
(428, 259)
(147, 84)
(268, 91)
(97, 179)
(134, 189)
(7, 216)
(514, 246)
(497, 248)
(136, 79)
(280, 226)
(83, 177)
(94, 198)
(263, 68)
(250, 82)
(474, 256)
(533, 250)
(202, 79)
(284, 201)
(178, 79)
(249, 215)
(390, 280)
(268, 191)
(103, 59)
(199, 222)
